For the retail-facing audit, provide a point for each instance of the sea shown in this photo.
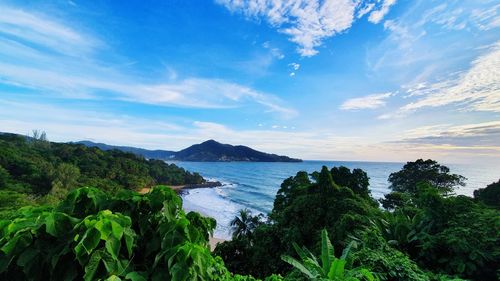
(253, 185)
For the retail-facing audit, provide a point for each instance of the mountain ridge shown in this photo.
(207, 151)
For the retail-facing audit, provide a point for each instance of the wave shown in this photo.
(213, 202)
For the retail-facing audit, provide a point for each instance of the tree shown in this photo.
(357, 180)
(395, 199)
(244, 224)
(428, 171)
(65, 178)
(490, 195)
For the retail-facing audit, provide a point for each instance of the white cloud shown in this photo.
(294, 66)
(365, 10)
(366, 102)
(377, 15)
(39, 54)
(477, 89)
(308, 22)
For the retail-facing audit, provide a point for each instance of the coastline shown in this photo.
(179, 188)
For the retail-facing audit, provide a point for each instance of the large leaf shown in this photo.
(337, 269)
(92, 266)
(89, 241)
(327, 251)
(295, 263)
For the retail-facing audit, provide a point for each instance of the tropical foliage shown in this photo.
(92, 235)
(328, 267)
(244, 224)
(36, 171)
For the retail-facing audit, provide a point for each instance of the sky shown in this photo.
(367, 80)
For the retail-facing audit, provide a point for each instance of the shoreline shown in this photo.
(179, 188)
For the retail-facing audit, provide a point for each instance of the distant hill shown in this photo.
(214, 151)
(150, 154)
(208, 151)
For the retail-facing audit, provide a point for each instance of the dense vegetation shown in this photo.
(34, 170)
(424, 233)
(323, 226)
(94, 236)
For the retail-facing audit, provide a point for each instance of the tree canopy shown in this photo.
(490, 195)
(428, 171)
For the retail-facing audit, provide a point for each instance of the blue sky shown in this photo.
(378, 80)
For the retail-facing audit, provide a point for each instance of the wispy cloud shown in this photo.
(275, 52)
(39, 55)
(378, 15)
(459, 15)
(477, 89)
(43, 31)
(425, 36)
(366, 102)
(309, 22)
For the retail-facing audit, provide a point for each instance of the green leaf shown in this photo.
(135, 276)
(91, 239)
(347, 249)
(50, 225)
(104, 227)
(113, 247)
(19, 242)
(337, 269)
(129, 240)
(327, 251)
(295, 263)
(302, 254)
(92, 266)
(113, 278)
(117, 230)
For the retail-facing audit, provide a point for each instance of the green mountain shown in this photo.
(208, 151)
(217, 152)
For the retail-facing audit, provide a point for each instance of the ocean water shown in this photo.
(253, 185)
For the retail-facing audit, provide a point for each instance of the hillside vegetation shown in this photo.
(34, 170)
